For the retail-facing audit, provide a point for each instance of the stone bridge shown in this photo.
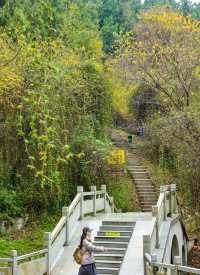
(140, 243)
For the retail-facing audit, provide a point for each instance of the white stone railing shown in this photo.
(85, 203)
(11, 266)
(152, 267)
(165, 207)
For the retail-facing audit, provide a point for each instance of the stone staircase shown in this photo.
(114, 235)
(145, 189)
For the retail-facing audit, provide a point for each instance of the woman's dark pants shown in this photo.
(89, 269)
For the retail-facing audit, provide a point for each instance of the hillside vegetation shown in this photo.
(162, 55)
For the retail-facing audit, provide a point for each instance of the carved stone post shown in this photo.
(14, 263)
(65, 212)
(146, 249)
(94, 189)
(47, 244)
(154, 260)
(173, 199)
(80, 191)
(112, 204)
(177, 262)
(155, 214)
(103, 188)
(163, 190)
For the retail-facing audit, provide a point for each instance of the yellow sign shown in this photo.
(113, 234)
(117, 157)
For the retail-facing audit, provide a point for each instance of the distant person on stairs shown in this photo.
(87, 251)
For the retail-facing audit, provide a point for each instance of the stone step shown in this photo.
(110, 257)
(107, 263)
(109, 232)
(148, 199)
(154, 201)
(146, 193)
(135, 174)
(118, 223)
(143, 196)
(138, 167)
(133, 163)
(142, 180)
(147, 204)
(137, 178)
(113, 250)
(117, 228)
(142, 183)
(106, 270)
(111, 244)
(135, 170)
(112, 239)
(147, 210)
(145, 185)
(143, 203)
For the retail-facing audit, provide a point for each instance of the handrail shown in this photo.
(32, 254)
(108, 198)
(74, 203)
(154, 225)
(160, 201)
(164, 252)
(62, 222)
(58, 228)
(85, 194)
(111, 202)
(171, 266)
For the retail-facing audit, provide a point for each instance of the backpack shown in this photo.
(77, 255)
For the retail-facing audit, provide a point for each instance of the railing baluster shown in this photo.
(80, 191)
(94, 189)
(14, 262)
(65, 212)
(47, 239)
(103, 188)
(155, 214)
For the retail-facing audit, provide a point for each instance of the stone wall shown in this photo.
(19, 224)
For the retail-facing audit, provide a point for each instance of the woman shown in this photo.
(87, 251)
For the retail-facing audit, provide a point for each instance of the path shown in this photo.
(141, 178)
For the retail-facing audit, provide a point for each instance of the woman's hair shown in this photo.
(83, 236)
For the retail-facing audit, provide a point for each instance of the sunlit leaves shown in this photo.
(163, 52)
(54, 97)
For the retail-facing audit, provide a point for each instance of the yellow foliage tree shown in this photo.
(163, 52)
(10, 78)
